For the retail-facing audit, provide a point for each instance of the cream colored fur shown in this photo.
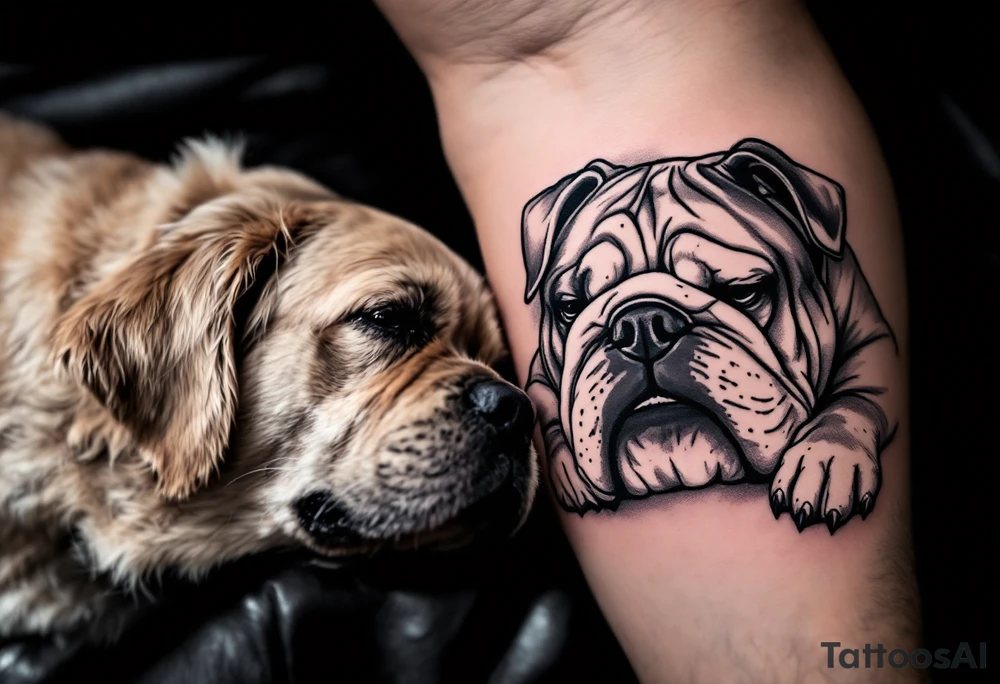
(143, 427)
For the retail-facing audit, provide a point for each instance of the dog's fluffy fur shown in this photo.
(184, 355)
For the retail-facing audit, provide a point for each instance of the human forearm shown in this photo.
(702, 583)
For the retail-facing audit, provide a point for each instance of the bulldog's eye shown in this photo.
(569, 307)
(754, 297)
(745, 295)
(400, 322)
(763, 189)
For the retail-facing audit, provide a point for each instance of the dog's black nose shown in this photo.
(503, 406)
(321, 516)
(648, 331)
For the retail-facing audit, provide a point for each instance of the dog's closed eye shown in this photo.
(755, 296)
(398, 322)
(568, 307)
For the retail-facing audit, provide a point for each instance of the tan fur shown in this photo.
(124, 369)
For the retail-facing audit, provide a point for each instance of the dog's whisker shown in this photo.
(322, 509)
(254, 472)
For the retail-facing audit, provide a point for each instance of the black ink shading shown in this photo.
(704, 321)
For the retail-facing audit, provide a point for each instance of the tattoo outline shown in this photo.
(703, 320)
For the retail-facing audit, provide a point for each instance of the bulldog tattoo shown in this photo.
(703, 321)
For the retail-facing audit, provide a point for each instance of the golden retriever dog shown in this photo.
(202, 361)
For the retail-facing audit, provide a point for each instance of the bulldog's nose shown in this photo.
(503, 406)
(647, 331)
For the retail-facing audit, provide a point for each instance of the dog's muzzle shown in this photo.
(655, 422)
(466, 477)
(666, 387)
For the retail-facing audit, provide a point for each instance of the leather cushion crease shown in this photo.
(349, 108)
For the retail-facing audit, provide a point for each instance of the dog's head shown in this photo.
(683, 306)
(334, 361)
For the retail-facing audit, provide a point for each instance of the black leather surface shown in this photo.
(339, 99)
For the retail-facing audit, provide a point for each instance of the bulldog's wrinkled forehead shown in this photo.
(641, 209)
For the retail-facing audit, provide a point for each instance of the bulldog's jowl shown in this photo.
(704, 321)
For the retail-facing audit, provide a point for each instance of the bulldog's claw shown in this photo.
(804, 516)
(828, 476)
(833, 521)
(867, 503)
(777, 503)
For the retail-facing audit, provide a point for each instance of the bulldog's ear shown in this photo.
(547, 213)
(813, 201)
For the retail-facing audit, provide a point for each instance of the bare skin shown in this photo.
(704, 584)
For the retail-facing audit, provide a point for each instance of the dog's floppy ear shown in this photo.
(156, 342)
(813, 201)
(548, 212)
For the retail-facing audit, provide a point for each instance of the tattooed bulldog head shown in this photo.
(687, 332)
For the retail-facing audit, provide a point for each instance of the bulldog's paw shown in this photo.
(569, 487)
(828, 475)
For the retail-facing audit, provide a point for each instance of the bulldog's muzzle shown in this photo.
(679, 389)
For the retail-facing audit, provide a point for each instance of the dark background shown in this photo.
(336, 96)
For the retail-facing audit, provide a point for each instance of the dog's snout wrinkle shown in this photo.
(648, 331)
